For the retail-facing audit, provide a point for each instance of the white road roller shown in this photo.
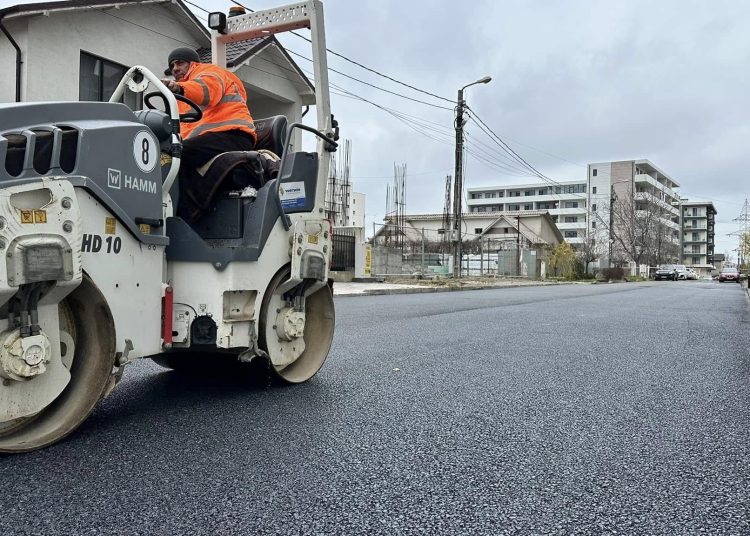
(97, 271)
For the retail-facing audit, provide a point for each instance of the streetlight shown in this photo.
(458, 180)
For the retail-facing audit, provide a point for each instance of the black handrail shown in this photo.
(284, 218)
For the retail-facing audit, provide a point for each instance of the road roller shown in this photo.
(99, 269)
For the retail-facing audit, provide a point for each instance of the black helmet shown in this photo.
(182, 53)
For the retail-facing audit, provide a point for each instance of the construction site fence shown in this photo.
(429, 252)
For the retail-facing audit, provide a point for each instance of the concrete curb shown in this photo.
(425, 290)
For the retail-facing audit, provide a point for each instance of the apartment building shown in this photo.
(645, 190)
(565, 201)
(698, 219)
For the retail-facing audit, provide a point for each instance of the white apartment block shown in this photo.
(357, 210)
(698, 219)
(565, 201)
(631, 181)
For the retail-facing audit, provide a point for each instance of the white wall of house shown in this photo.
(53, 44)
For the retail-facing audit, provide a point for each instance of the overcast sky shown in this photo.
(574, 82)
(584, 81)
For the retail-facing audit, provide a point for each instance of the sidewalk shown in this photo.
(376, 288)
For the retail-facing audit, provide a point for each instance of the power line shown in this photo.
(372, 85)
(357, 63)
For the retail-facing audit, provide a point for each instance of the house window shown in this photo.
(571, 204)
(593, 207)
(98, 78)
(593, 173)
(593, 225)
(528, 193)
(696, 249)
(481, 209)
(505, 230)
(695, 211)
(541, 192)
(695, 237)
(593, 189)
(696, 260)
(527, 207)
(488, 195)
(571, 219)
(571, 234)
(477, 230)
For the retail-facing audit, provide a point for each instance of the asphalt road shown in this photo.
(594, 409)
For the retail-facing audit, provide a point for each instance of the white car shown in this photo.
(690, 273)
(681, 271)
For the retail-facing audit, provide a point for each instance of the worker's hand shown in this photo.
(173, 86)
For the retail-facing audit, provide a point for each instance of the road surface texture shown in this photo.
(586, 409)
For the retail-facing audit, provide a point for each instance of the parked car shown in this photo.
(729, 274)
(666, 271)
(681, 271)
(691, 274)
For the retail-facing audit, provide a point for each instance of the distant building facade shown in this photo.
(565, 202)
(698, 220)
(645, 190)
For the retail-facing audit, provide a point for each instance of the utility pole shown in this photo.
(458, 176)
(458, 184)
(612, 199)
(744, 221)
(518, 245)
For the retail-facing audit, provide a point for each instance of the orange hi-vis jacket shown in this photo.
(222, 98)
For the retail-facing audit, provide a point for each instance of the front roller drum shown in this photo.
(297, 344)
(87, 325)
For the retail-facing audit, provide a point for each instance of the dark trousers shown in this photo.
(199, 150)
(196, 152)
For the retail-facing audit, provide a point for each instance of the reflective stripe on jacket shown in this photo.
(222, 98)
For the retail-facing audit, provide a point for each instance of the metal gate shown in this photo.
(343, 250)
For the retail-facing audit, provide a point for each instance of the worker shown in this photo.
(226, 124)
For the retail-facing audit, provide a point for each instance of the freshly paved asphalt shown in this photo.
(617, 409)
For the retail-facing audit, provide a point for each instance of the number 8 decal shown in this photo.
(145, 151)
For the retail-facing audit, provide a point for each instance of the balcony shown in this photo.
(571, 225)
(649, 198)
(656, 184)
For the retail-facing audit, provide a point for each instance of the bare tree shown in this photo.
(634, 230)
(591, 248)
(640, 229)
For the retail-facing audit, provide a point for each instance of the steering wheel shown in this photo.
(193, 116)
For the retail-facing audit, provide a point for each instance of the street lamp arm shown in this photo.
(483, 80)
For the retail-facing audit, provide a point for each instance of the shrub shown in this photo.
(614, 274)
